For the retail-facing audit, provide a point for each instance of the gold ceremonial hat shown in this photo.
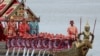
(11, 17)
(87, 24)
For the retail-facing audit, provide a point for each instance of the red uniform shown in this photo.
(23, 30)
(72, 31)
(11, 29)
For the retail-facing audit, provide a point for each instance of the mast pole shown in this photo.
(80, 23)
(94, 25)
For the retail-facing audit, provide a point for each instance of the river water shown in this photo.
(56, 14)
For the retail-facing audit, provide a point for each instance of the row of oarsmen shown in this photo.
(43, 40)
(44, 35)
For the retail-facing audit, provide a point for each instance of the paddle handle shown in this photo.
(94, 25)
(80, 23)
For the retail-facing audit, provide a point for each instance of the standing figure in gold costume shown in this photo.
(10, 31)
(11, 25)
(86, 33)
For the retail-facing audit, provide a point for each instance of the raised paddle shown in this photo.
(80, 23)
(94, 25)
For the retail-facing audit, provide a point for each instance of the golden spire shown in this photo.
(87, 24)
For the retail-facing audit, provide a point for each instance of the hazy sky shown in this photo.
(69, 7)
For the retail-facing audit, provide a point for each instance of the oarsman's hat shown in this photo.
(11, 18)
(71, 22)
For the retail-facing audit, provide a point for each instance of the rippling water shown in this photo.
(55, 16)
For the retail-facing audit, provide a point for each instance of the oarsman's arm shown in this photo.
(92, 37)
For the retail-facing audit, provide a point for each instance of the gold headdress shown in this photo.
(87, 24)
(12, 18)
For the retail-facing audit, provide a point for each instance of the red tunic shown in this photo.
(72, 31)
(11, 29)
(23, 30)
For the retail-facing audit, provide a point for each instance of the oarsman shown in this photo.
(11, 27)
(72, 32)
(45, 40)
(11, 31)
(39, 40)
(64, 42)
(24, 28)
(34, 28)
(58, 41)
